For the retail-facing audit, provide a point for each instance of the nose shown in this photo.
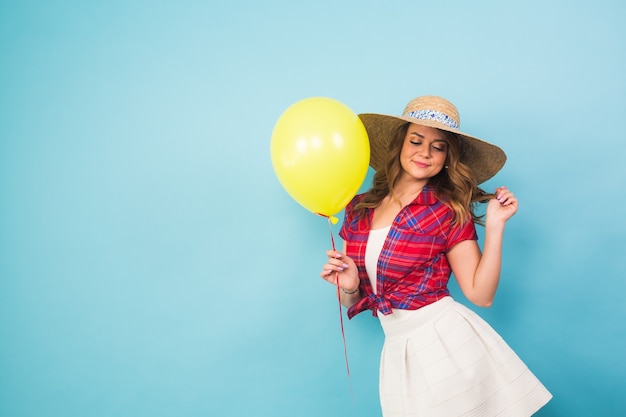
(424, 152)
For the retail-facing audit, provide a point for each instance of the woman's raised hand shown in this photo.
(503, 207)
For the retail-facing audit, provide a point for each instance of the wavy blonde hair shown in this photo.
(455, 185)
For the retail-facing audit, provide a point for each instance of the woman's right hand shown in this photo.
(341, 267)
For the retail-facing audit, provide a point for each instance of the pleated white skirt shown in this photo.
(443, 360)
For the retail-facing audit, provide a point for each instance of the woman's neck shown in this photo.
(403, 194)
(407, 190)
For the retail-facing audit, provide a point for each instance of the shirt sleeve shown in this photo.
(460, 233)
(348, 217)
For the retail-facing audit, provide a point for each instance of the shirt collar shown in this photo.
(426, 197)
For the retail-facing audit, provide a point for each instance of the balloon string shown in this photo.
(343, 333)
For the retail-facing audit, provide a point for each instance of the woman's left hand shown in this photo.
(503, 207)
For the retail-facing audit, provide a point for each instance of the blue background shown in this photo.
(152, 265)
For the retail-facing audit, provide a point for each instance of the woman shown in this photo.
(403, 238)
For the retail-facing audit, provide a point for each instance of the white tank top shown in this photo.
(375, 243)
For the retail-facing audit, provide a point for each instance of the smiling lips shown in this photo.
(420, 164)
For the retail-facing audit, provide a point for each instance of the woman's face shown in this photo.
(424, 152)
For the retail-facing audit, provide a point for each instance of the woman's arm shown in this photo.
(341, 267)
(478, 274)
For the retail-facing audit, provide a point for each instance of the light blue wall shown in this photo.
(151, 264)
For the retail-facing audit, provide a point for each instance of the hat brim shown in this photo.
(483, 158)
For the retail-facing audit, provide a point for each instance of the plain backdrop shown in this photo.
(152, 265)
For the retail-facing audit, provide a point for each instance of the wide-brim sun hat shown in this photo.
(483, 158)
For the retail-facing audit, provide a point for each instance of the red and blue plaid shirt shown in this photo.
(412, 269)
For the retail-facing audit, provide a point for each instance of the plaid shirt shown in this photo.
(413, 269)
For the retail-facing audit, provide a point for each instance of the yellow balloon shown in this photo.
(320, 153)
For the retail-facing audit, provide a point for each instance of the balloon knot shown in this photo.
(332, 219)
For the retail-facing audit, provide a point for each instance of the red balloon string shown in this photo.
(343, 333)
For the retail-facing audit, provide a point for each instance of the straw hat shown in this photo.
(483, 158)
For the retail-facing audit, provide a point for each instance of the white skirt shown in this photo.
(443, 360)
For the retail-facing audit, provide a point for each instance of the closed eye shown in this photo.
(439, 147)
